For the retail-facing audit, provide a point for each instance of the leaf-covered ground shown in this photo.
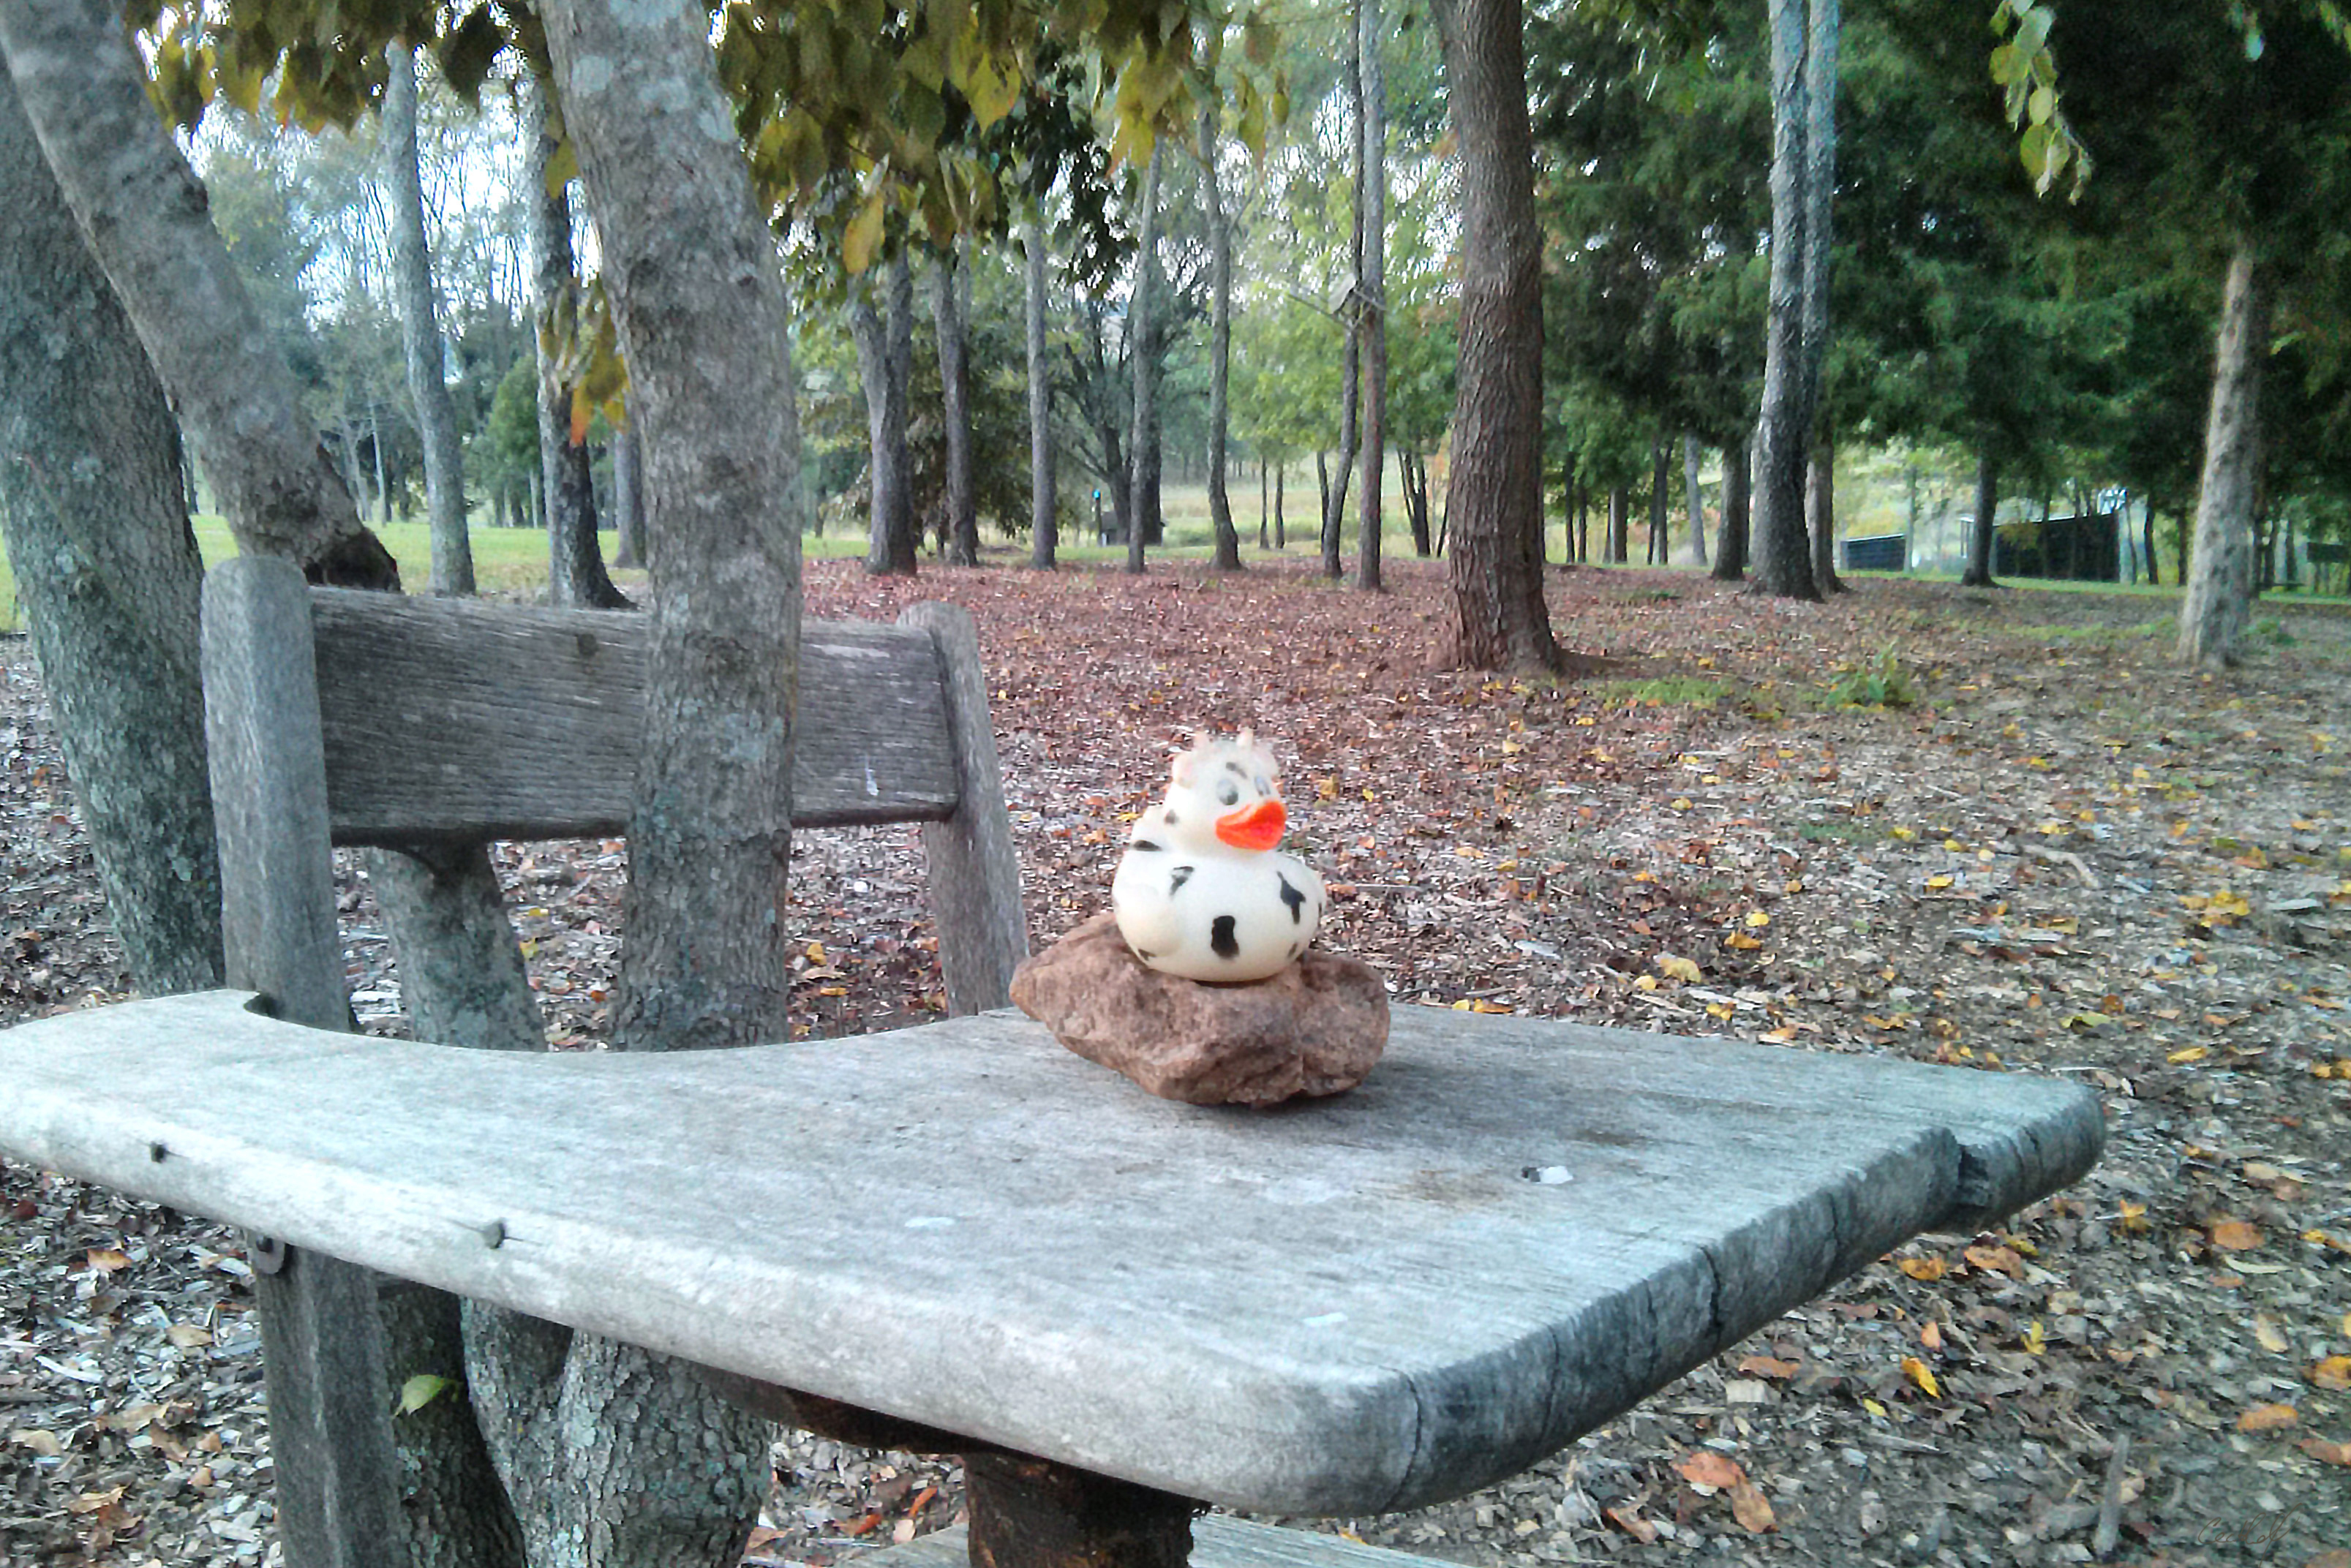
(2059, 854)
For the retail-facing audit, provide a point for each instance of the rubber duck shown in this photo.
(1201, 892)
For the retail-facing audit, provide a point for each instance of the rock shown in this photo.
(1316, 1027)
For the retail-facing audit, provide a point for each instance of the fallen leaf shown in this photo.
(1768, 1366)
(95, 1501)
(1626, 1518)
(2327, 1453)
(1919, 1373)
(421, 1390)
(1924, 1267)
(42, 1441)
(2235, 1234)
(1997, 1260)
(1706, 1468)
(2267, 1418)
(1751, 1509)
(2333, 1372)
(2192, 1053)
(1930, 1334)
(1675, 968)
(188, 1336)
(106, 1259)
(2271, 1338)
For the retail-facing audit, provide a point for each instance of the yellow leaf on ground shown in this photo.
(2191, 1053)
(106, 1259)
(1997, 1260)
(1873, 1407)
(1768, 1366)
(1758, 919)
(1923, 1375)
(1675, 968)
(1937, 883)
(2273, 1339)
(1779, 1036)
(2033, 1342)
(1628, 1518)
(2333, 1372)
(1751, 1509)
(1741, 942)
(1924, 1267)
(2327, 1453)
(2267, 1418)
(1707, 1467)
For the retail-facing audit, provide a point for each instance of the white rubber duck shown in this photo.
(1201, 892)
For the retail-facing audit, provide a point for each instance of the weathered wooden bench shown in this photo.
(1114, 1305)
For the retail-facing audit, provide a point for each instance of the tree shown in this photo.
(950, 306)
(107, 572)
(1784, 429)
(1821, 48)
(1043, 521)
(1228, 557)
(1143, 474)
(885, 357)
(1494, 501)
(2214, 613)
(436, 417)
(1371, 319)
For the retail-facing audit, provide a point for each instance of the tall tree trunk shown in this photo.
(1620, 507)
(668, 1473)
(1281, 471)
(1782, 561)
(1821, 498)
(1228, 556)
(1142, 478)
(2147, 539)
(1738, 493)
(144, 214)
(1044, 521)
(1371, 282)
(575, 561)
(1985, 528)
(1495, 488)
(107, 571)
(420, 333)
(628, 498)
(2219, 600)
(890, 531)
(1694, 496)
(949, 284)
(1660, 545)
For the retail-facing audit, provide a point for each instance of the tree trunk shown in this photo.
(664, 1471)
(1620, 506)
(1495, 488)
(107, 572)
(889, 529)
(144, 214)
(1220, 343)
(1280, 541)
(1985, 528)
(1660, 544)
(575, 561)
(1372, 285)
(1694, 496)
(949, 309)
(2147, 538)
(420, 333)
(1044, 522)
(2219, 600)
(1782, 562)
(1737, 490)
(628, 498)
(1143, 502)
(1821, 497)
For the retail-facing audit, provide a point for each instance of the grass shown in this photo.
(1664, 691)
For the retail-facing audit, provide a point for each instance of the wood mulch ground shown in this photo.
(2063, 854)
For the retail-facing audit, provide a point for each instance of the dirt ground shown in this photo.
(1994, 829)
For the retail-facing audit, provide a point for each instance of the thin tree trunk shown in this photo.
(1620, 507)
(949, 283)
(1694, 496)
(1371, 205)
(1280, 472)
(1498, 617)
(889, 531)
(1044, 522)
(2219, 600)
(375, 444)
(1985, 528)
(1660, 467)
(1143, 488)
(1737, 489)
(420, 333)
(668, 1472)
(628, 498)
(1783, 560)
(1821, 497)
(575, 560)
(1221, 341)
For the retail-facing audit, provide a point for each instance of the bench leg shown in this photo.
(1034, 1513)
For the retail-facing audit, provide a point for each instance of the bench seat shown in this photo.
(1340, 1307)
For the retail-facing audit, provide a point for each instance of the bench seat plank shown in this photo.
(1343, 1307)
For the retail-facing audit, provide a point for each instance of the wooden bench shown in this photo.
(961, 1236)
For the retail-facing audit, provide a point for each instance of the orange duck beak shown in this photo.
(1256, 827)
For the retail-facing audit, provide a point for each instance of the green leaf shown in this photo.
(864, 235)
(990, 91)
(2034, 148)
(2042, 106)
(421, 1390)
(2006, 64)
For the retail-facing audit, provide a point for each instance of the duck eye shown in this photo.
(1228, 794)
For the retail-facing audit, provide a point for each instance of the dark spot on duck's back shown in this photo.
(1293, 897)
(1177, 878)
(1169, 818)
(1146, 845)
(1235, 767)
(1296, 948)
(1220, 937)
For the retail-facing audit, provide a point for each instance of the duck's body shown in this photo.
(1201, 892)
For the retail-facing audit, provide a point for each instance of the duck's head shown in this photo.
(1222, 792)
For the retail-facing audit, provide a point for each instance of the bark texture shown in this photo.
(2219, 600)
(663, 1471)
(628, 498)
(1986, 527)
(1494, 498)
(890, 521)
(1142, 476)
(1694, 494)
(575, 562)
(1782, 553)
(143, 215)
(1372, 283)
(420, 332)
(1738, 494)
(107, 572)
(949, 284)
(1044, 519)
(1227, 554)
(1822, 36)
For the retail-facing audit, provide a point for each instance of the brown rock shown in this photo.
(1317, 1028)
